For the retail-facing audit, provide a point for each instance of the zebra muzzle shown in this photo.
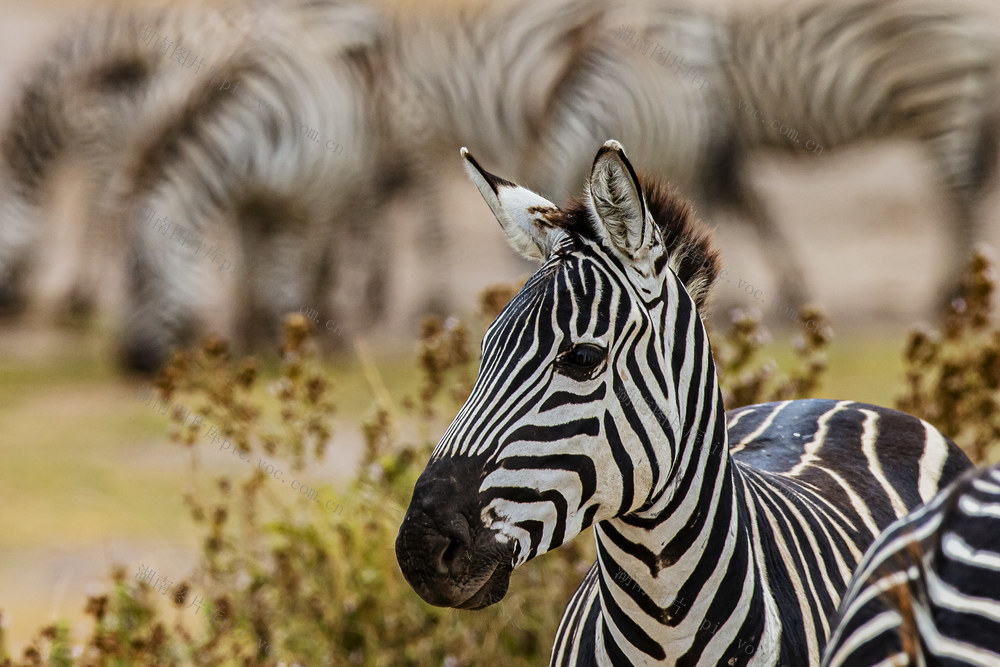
(443, 549)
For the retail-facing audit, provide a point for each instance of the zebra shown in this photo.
(82, 105)
(276, 145)
(739, 530)
(262, 124)
(810, 74)
(492, 73)
(926, 590)
(697, 91)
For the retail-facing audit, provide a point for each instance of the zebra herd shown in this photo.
(723, 538)
(284, 129)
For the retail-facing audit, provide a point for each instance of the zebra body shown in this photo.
(678, 127)
(926, 591)
(251, 146)
(786, 475)
(82, 105)
(597, 403)
(395, 91)
(274, 149)
(806, 77)
(811, 73)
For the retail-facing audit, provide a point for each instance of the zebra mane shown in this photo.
(690, 251)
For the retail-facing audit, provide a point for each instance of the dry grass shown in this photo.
(293, 579)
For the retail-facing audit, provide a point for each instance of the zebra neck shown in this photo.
(682, 579)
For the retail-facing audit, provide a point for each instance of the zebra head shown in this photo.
(575, 416)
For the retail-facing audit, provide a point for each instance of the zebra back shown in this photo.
(837, 73)
(647, 77)
(487, 74)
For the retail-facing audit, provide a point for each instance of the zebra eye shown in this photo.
(583, 357)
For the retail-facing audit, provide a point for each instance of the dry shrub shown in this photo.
(746, 379)
(292, 580)
(952, 376)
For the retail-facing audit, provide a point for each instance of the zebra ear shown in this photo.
(519, 211)
(616, 199)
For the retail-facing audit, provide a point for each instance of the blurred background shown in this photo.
(89, 479)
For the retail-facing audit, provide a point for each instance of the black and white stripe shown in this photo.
(840, 73)
(598, 403)
(536, 86)
(805, 77)
(82, 105)
(256, 143)
(928, 590)
(273, 148)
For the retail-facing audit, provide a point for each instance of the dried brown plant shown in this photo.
(952, 376)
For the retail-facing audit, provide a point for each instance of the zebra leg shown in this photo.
(741, 199)
(19, 240)
(351, 281)
(285, 264)
(967, 176)
(962, 216)
(94, 246)
(376, 241)
(256, 324)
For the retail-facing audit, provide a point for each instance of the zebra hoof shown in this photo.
(12, 302)
(142, 356)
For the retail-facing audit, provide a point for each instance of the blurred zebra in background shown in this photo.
(277, 148)
(384, 84)
(81, 106)
(832, 74)
(536, 87)
(926, 592)
(305, 117)
(488, 75)
(184, 118)
(697, 92)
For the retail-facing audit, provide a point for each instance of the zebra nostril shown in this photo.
(452, 553)
(457, 539)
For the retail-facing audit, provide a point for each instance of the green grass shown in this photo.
(864, 369)
(75, 435)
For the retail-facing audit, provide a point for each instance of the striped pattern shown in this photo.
(535, 86)
(806, 524)
(838, 73)
(806, 77)
(598, 403)
(83, 105)
(490, 75)
(678, 129)
(926, 591)
(242, 127)
(272, 147)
